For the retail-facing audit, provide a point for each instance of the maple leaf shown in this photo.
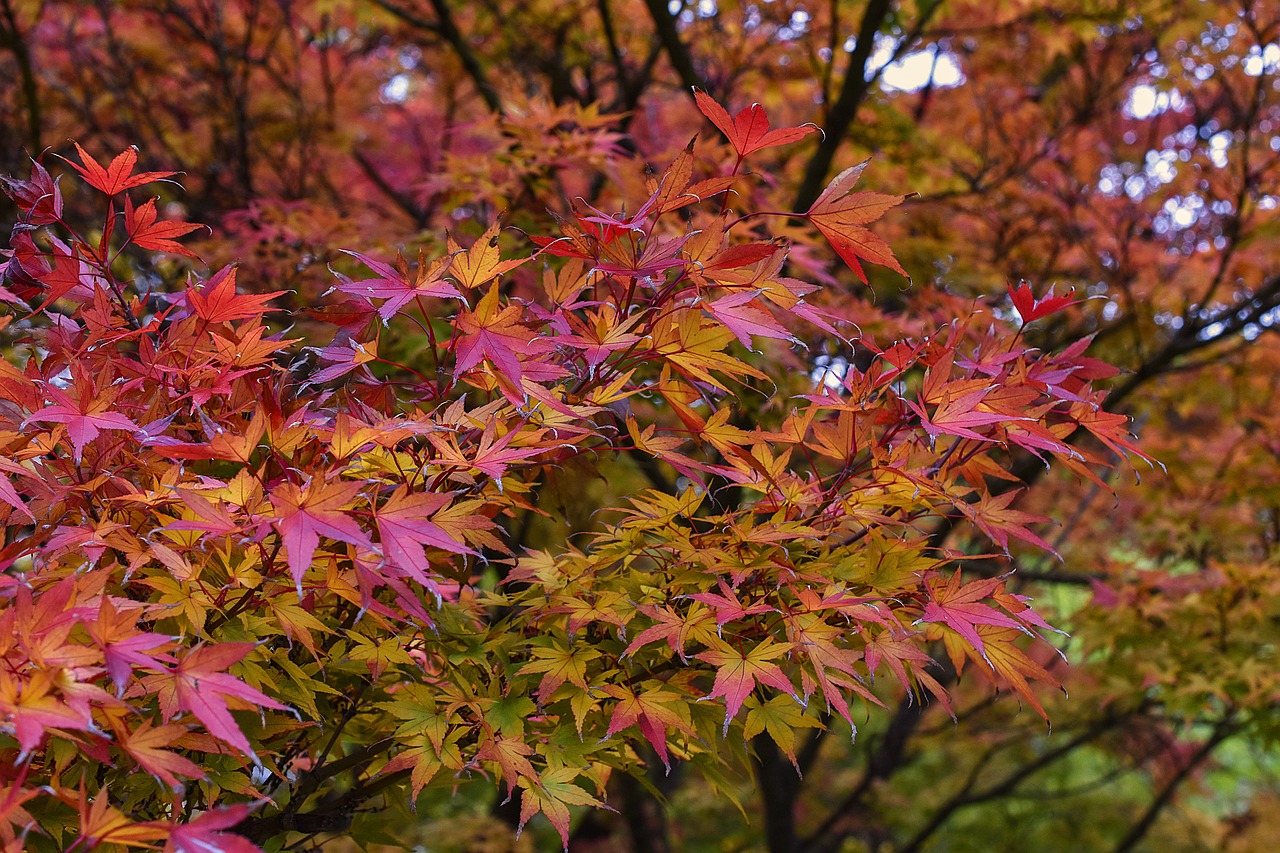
(146, 233)
(199, 685)
(600, 333)
(216, 300)
(342, 358)
(10, 495)
(405, 526)
(744, 319)
(85, 419)
(102, 823)
(737, 674)
(781, 717)
(394, 285)
(29, 707)
(727, 606)
(552, 793)
(206, 834)
(495, 333)
(748, 131)
(559, 664)
(609, 227)
(1109, 428)
(656, 255)
(40, 197)
(236, 445)
(894, 650)
(676, 628)
(1030, 309)
(957, 414)
(117, 177)
(653, 712)
(960, 405)
(695, 348)
(123, 645)
(1013, 665)
(995, 517)
(512, 757)
(674, 191)
(492, 456)
(146, 745)
(841, 216)
(302, 517)
(481, 263)
(959, 606)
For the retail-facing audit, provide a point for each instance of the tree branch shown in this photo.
(681, 61)
(964, 797)
(852, 93)
(16, 42)
(1225, 729)
(448, 30)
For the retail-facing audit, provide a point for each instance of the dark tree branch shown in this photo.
(779, 786)
(967, 797)
(329, 816)
(446, 28)
(886, 758)
(13, 39)
(401, 200)
(852, 93)
(681, 61)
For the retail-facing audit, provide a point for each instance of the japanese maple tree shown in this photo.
(250, 587)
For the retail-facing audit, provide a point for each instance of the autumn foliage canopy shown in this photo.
(216, 542)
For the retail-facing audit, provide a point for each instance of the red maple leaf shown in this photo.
(145, 232)
(217, 301)
(958, 414)
(599, 333)
(495, 333)
(748, 131)
(117, 177)
(744, 319)
(123, 645)
(994, 517)
(896, 651)
(40, 197)
(8, 493)
(303, 517)
(146, 745)
(653, 711)
(101, 823)
(342, 357)
(1110, 429)
(959, 606)
(491, 457)
(30, 706)
(1029, 308)
(199, 685)
(842, 215)
(85, 418)
(727, 605)
(405, 526)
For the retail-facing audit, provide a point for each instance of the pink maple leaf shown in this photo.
(205, 834)
(199, 685)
